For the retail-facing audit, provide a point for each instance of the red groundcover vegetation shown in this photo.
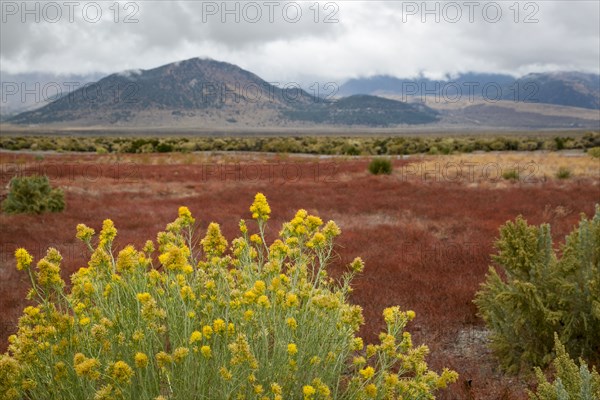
(426, 243)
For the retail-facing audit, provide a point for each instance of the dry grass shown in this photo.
(488, 168)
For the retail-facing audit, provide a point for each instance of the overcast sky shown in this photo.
(302, 41)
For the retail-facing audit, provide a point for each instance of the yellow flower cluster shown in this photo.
(180, 354)
(127, 259)
(292, 349)
(121, 372)
(357, 265)
(86, 367)
(225, 320)
(206, 351)
(48, 270)
(241, 353)
(195, 337)
(214, 244)
(163, 359)
(141, 360)
(367, 373)
(316, 390)
(10, 374)
(84, 233)
(308, 392)
(108, 392)
(260, 208)
(107, 234)
(175, 258)
(185, 217)
(24, 259)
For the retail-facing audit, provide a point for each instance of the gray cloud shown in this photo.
(370, 37)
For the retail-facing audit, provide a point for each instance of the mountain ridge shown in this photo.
(203, 89)
(566, 88)
(210, 94)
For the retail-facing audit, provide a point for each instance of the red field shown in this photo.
(425, 238)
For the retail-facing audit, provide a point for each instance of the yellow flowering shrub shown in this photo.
(185, 318)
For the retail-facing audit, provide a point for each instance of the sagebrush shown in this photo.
(205, 319)
(33, 194)
(535, 293)
(379, 166)
(571, 382)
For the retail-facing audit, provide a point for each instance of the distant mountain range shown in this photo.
(206, 94)
(25, 92)
(202, 91)
(573, 89)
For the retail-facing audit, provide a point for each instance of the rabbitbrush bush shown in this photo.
(543, 293)
(254, 322)
(33, 194)
(570, 383)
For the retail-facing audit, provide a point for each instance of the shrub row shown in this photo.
(302, 144)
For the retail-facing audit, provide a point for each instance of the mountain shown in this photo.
(573, 89)
(365, 110)
(385, 84)
(202, 92)
(179, 88)
(28, 91)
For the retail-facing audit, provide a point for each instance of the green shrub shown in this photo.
(379, 166)
(433, 150)
(543, 294)
(526, 145)
(511, 175)
(351, 148)
(563, 173)
(571, 382)
(164, 147)
(560, 143)
(594, 152)
(498, 145)
(221, 321)
(33, 194)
